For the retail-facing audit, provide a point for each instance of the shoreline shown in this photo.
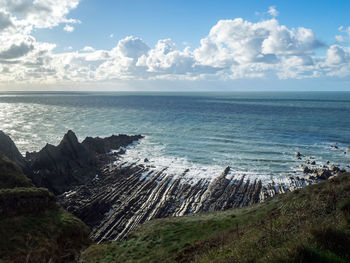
(92, 181)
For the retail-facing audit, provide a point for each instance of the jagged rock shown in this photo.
(114, 142)
(9, 149)
(113, 198)
(324, 173)
(334, 168)
(298, 154)
(305, 169)
(58, 168)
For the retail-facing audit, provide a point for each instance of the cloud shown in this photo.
(16, 51)
(166, 59)
(132, 47)
(339, 39)
(233, 49)
(273, 11)
(41, 13)
(336, 55)
(68, 28)
(254, 48)
(87, 49)
(5, 20)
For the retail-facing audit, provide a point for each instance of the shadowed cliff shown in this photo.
(33, 227)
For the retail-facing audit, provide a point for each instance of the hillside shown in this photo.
(308, 225)
(33, 228)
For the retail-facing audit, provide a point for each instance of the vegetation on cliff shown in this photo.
(307, 225)
(33, 228)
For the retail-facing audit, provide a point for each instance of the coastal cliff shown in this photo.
(33, 227)
(113, 197)
(308, 225)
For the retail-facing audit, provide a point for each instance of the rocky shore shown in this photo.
(112, 197)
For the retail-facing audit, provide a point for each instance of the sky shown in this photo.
(174, 45)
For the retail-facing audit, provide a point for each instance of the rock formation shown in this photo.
(9, 149)
(125, 195)
(59, 168)
(113, 197)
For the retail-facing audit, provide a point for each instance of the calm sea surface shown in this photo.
(255, 133)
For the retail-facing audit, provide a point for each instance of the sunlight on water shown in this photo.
(255, 134)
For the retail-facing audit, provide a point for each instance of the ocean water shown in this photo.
(254, 133)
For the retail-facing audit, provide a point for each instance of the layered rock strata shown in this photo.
(113, 196)
(125, 195)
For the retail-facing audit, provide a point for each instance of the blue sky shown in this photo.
(174, 45)
(187, 21)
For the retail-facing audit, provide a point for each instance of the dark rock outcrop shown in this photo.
(71, 163)
(126, 195)
(113, 196)
(58, 168)
(114, 142)
(9, 149)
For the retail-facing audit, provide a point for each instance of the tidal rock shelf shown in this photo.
(125, 195)
(93, 181)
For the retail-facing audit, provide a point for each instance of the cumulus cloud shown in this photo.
(339, 39)
(233, 49)
(132, 47)
(87, 49)
(68, 28)
(273, 11)
(336, 55)
(251, 50)
(41, 13)
(16, 51)
(5, 20)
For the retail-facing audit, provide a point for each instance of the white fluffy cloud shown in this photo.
(273, 11)
(254, 49)
(68, 28)
(40, 13)
(233, 49)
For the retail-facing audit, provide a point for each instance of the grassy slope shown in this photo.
(37, 230)
(11, 175)
(308, 225)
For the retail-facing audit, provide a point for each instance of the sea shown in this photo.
(255, 133)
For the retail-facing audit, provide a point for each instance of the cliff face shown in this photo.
(33, 227)
(9, 149)
(308, 225)
(113, 196)
(125, 196)
(58, 168)
(71, 163)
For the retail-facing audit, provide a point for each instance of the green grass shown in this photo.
(33, 228)
(52, 234)
(308, 225)
(11, 175)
